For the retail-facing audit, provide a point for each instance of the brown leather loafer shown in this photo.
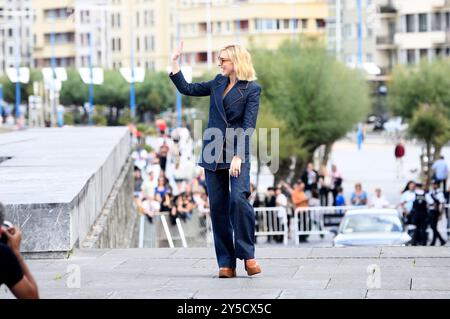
(225, 272)
(252, 267)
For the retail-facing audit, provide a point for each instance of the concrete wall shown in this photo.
(57, 182)
(116, 227)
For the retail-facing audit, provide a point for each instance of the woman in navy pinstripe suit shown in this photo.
(234, 103)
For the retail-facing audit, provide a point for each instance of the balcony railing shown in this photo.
(388, 8)
(385, 40)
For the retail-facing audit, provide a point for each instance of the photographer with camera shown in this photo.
(14, 272)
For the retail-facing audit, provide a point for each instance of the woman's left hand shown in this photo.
(235, 167)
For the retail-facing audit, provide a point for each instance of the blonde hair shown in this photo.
(242, 61)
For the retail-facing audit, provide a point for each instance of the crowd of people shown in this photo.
(163, 184)
(423, 207)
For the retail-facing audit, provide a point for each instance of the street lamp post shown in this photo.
(338, 29)
(132, 84)
(1, 104)
(178, 94)
(91, 82)
(360, 47)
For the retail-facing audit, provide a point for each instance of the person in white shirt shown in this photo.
(378, 200)
(435, 211)
(406, 201)
(281, 201)
(151, 206)
(149, 184)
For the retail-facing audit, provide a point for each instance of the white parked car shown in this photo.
(395, 125)
(371, 227)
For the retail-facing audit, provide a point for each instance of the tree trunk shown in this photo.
(258, 170)
(437, 152)
(429, 164)
(326, 155)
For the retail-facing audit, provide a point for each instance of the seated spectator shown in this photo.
(149, 185)
(181, 210)
(378, 200)
(359, 197)
(151, 206)
(167, 203)
(137, 182)
(14, 272)
(201, 200)
(161, 189)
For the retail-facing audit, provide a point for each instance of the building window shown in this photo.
(437, 22)
(202, 27)
(115, 20)
(58, 13)
(410, 26)
(243, 25)
(149, 18)
(138, 47)
(423, 22)
(320, 23)
(423, 54)
(411, 56)
(219, 27)
(202, 57)
(60, 38)
(348, 31)
(304, 24)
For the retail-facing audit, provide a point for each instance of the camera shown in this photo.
(4, 239)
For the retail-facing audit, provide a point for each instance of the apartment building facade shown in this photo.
(423, 30)
(16, 39)
(106, 33)
(393, 32)
(206, 26)
(374, 48)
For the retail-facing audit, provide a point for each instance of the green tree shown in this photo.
(73, 91)
(9, 88)
(114, 90)
(155, 94)
(410, 86)
(431, 124)
(319, 99)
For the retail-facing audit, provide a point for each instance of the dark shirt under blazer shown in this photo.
(241, 112)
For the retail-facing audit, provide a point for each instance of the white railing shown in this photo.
(162, 216)
(269, 221)
(272, 221)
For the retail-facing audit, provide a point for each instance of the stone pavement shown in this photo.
(405, 272)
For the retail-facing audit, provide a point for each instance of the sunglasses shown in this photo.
(221, 60)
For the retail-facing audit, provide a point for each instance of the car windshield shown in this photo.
(371, 224)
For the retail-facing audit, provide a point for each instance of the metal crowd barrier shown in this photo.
(269, 221)
(165, 225)
(272, 221)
